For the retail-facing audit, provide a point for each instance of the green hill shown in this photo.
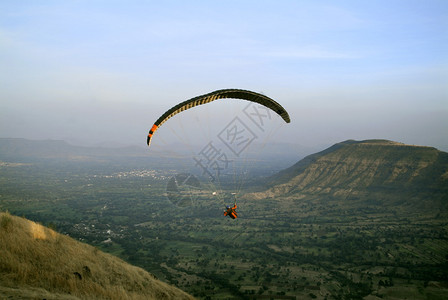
(39, 263)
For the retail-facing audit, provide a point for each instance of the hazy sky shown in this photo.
(95, 72)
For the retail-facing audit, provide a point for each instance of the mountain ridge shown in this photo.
(22, 149)
(370, 168)
(25, 150)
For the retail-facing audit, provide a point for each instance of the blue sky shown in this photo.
(95, 72)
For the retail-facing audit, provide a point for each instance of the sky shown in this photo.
(101, 72)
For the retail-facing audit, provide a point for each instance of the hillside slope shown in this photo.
(39, 263)
(379, 171)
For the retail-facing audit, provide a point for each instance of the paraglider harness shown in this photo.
(231, 211)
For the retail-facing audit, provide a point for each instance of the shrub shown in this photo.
(5, 221)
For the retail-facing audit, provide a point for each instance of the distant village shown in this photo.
(154, 174)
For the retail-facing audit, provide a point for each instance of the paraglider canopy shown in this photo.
(219, 94)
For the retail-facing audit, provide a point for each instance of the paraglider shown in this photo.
(268, 103)
(231, 211)
(219, 94)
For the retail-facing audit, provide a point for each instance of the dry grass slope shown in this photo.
(37, 262)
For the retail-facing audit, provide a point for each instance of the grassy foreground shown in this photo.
(37, 262)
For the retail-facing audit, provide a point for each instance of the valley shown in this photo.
(307, 245)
